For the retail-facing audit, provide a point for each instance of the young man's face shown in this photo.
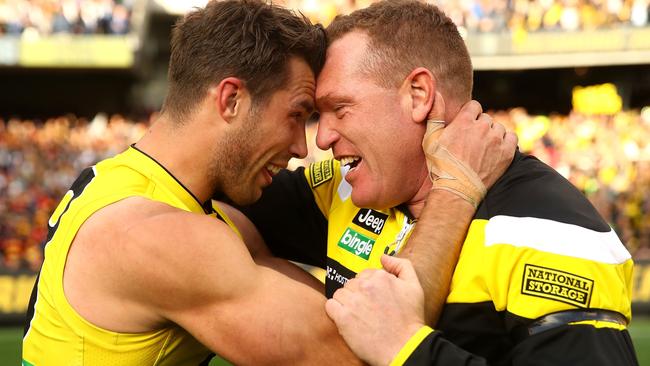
(271, 134)
(369, 128)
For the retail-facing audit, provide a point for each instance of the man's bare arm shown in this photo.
(261, 253)
(204, 280)
(435, 244)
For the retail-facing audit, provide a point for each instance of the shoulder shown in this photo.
(546, 248)
(530, 188)
(533, 206)
(163, 250)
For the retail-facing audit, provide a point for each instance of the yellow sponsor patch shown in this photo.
(321, 172)
(557, 285)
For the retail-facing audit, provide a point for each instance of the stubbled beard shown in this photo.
(229, 170)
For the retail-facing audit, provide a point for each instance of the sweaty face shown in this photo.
(368, 127)
(266, 138)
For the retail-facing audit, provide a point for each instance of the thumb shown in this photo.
(437, 112)
(333, 309)
(400, 267)
(435, 121)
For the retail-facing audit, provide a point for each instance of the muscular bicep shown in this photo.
(247, 313)
(276, 321)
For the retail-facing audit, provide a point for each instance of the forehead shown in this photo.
(300, 87)
(301, 77)
(342, 69)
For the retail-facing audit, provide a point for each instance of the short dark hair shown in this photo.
(404, 35)
(247, 39)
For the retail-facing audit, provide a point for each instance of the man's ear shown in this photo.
(228, 98)
(419, 88)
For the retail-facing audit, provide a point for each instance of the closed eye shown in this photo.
(299, 117)
(340, 111)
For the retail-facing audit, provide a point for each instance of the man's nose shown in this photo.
(298, 148)
(326, 135)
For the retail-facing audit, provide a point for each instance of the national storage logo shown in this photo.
(356, 243)
(557, 285)
(321, 172)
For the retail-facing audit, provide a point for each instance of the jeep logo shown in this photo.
(370, 220)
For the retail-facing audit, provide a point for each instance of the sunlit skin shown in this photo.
(231, 147)
(360, 118)
(216, 297)
(261, 143)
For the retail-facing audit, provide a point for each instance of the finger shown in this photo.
(400, 267)
(437, 112)
(334, 310)
(485, 118)
(469, 112)
(343, 295)
(511, 140)
(499, 129)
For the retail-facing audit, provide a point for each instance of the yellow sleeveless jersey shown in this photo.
(56, 334)
(540, 274)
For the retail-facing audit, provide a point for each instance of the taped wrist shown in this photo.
(446, 171)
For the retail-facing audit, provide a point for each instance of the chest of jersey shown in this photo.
(358, 237)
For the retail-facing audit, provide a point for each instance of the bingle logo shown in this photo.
(356, 243)
(370, 220)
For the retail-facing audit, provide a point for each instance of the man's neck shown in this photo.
(416, 204)
(180, 150)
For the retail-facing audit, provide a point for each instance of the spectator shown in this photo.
(38, 162)
(607, 157)
(65, 16)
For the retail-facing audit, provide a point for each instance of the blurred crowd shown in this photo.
(606, 157)
(113, 16)
(509, 15)
(549, 15)
(43, 17)
(39, 160)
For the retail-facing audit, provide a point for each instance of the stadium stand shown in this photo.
(488, 16)
(38, 163)
(64, 16)
(606, 157)
(503, 15)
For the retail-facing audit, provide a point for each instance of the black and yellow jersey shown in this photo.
(55, 333)
(308, 216)
(541, 277)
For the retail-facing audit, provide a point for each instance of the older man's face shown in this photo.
(368, 128)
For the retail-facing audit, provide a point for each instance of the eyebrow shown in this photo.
(332, 98)
(324, 99)
(306, 104)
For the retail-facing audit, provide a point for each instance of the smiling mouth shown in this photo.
(350, 161)
(273, 169)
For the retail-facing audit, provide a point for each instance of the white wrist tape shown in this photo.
(446, 171)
